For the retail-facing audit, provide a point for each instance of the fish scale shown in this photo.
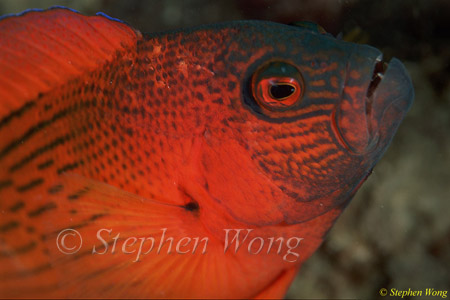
(163, 134)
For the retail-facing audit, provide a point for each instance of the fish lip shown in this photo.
(389, 91)
(387, 88)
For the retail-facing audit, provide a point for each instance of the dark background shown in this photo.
(396, 232)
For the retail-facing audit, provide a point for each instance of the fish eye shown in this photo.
(277, 86)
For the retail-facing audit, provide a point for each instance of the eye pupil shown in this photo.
(281, 91)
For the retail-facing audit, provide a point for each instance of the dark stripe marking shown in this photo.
(67, 167)
(20, 250)
(26, 248)
(33, 183)
(16, 113)
(322, 156)
(78, 194)
(314, 128)
(40, 210)
(32, 131)
(5, 183)
(9, 226)
(55, 189)
(15, 207)
(45, 164)
(39, 151)
(47, 106)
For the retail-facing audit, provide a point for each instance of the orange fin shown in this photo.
(40, 50)
(50, 269)
(33, 263)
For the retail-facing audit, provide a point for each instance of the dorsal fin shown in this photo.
(41, 49)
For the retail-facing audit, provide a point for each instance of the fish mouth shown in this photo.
(374, 101)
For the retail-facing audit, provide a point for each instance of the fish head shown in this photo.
(311, 115)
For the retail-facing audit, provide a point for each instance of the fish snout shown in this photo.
(375, 98)
(389, 102)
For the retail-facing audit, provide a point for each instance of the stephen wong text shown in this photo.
(234, 241)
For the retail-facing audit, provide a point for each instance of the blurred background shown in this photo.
(396, 231)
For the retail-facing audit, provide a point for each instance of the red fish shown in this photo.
(206, 162)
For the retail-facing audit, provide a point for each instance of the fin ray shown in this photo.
(156, 274)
